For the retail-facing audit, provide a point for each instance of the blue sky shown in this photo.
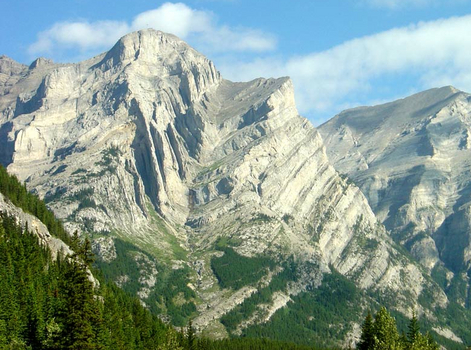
(339, 53)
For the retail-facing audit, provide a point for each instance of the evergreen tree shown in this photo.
(171, 342)
(413, 332)
(190, 336)
(367, 340)
(385, 331)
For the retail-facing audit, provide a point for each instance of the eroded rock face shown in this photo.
(411, 159)
(149, 142)
(55, 245)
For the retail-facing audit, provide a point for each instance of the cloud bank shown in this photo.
(175, 18)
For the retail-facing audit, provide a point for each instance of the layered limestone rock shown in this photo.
(148, 142)
(411, 158)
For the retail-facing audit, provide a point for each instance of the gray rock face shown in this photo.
(150, 143)
(55, 245)
(411, 158)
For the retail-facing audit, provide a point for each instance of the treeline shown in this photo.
(17, 193)
(381, 333)
(309, 317)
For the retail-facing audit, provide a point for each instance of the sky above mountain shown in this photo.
(339, 53)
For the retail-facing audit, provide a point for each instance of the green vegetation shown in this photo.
(60, 169)
(30, 203)
(236, 271)
(263, 296)
(109, 155)
(51, 304)
(53, 196)
(80, 171)
(381, 333)
(170, 296)
(309, 317)
(287, 218)
(261, 218)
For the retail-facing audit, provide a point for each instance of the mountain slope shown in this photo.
(148, 143)
(411, 158)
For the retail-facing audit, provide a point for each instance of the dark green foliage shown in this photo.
(287, 218)
(439, 276)
(79, 171)
(81, 195)
(251, 344)
(261, 218)
(413, 331)
(382, 334)
(60, 169)
(170, 284)
(19, 196)
(263, 296)
(309, 317)
(236, 271)
(109, 156)
(52, 196)
(46, 304)
(385, 331)
(367, 339)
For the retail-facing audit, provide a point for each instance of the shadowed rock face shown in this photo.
(148, 142)
(411, 158)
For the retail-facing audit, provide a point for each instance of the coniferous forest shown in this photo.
(63, 303)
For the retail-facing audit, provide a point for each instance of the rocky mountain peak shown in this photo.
(147, 43)
(158, 49)
(41, 62)
(9, 66)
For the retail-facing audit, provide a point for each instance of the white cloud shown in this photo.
(437, 53)
(400, 4)
(81, 35)
(395, 4)
(177, 18)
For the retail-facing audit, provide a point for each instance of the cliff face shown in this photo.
(411, 158)
(149, 143)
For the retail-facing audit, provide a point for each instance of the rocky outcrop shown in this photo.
(150, 143)
(34, 225)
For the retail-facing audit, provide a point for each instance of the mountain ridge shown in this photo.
(424, 153)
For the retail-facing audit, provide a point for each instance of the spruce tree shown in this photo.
(367, 339)
(385, 330)
(413, 333)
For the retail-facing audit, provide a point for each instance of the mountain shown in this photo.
(209, 199)
(411, 158)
